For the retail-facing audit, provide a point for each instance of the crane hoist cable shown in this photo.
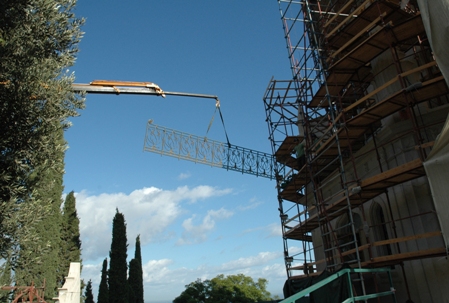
(133, 87)
(217, 106)
(224, 127)
(149, 88)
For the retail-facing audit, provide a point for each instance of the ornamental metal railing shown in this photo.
(169, 142)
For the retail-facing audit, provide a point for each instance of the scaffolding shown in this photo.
(365, 104)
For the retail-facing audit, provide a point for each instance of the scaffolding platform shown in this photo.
(345, 69)
(286, 149)
(364, 85)
(368, 189)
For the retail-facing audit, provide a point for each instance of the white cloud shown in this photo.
(253, 203)
(161, 279)
(249, 262)
(92, 272)
(164, 279)
(156, 271)
(274, 230)
(198, 233)
(294, 250)
(201, 192)
(152, 213)
(273, 271)
(271, 230)
(183, 176)
(148, 212)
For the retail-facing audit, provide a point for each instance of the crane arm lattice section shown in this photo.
(173, 143)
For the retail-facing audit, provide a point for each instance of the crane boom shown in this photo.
(132, 87)
(169, 142)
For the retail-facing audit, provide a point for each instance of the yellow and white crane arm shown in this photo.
(132, 87)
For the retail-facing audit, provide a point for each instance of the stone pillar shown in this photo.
(71, 290)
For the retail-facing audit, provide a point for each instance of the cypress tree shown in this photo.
(118, 267)
(70, 236)
(103, 290)
(131, 280)
(38, 41)
(88, 295)
(135, 279)
(47, 182)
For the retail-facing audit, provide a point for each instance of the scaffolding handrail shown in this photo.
(346, 272)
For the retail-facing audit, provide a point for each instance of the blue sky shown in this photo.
(194, 221)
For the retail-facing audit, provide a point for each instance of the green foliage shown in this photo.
(27, 235)
(118, 282)
(89, 297)
(103, 290)
(137, 252)
(196, 292)
(135, 279)
(133, 267)
(70, 250)
(221, 289)
(47, 182)
(239, 288)
(38, 40)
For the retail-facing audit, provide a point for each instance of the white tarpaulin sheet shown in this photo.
(435, 14)
(437, 170)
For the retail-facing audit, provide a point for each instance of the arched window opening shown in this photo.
(379, 227)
